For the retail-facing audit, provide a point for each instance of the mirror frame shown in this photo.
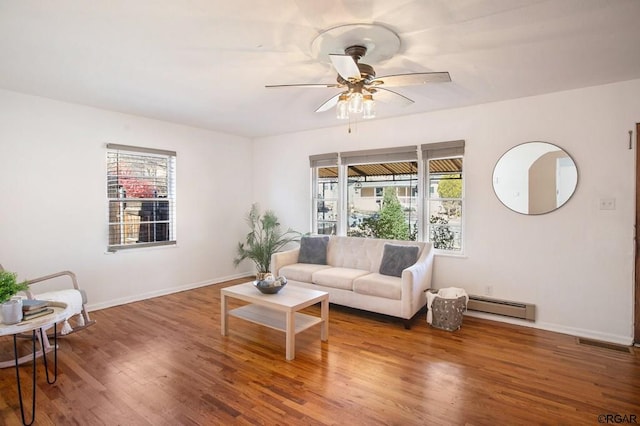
(529, 162)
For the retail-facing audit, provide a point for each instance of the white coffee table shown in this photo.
(278, 311)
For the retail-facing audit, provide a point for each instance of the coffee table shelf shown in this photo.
(274, 319)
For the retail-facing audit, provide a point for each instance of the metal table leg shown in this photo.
(34, 337)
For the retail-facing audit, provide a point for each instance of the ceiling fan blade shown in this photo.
(311, 85)
(330, 103)
(412, 79)
(346, 66)
(389, 96)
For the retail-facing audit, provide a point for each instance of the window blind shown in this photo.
(442, 149)
(384, 155)
(141, 195)
(324, 160)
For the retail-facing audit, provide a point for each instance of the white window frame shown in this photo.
(316, 162)
(438, 151)
(422, 154)
(161, 226)
(377, 156)
(346, 159)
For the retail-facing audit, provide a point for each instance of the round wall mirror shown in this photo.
(535, 178)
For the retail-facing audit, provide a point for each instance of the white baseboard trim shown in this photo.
(578, 332)
(589, 334)
(571, 331)
(150, 295)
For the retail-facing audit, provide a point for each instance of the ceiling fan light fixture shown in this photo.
(356, 102)
(368, 107)
(342, 107)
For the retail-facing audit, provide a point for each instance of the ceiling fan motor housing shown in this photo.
(367, 74)
(366, 71)
(356, 52)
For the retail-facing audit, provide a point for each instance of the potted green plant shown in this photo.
(265, 238)
(9, 286)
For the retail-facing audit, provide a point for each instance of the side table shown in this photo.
(36, 328)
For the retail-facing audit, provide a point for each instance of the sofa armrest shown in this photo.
(416, 279)
(283, 258)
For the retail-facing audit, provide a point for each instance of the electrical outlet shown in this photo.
(607, 203)
(488, 290)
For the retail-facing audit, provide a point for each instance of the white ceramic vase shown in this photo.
(11, 311)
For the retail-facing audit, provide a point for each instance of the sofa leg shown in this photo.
(408, 322)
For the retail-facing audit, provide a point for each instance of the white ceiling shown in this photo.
(205, 63)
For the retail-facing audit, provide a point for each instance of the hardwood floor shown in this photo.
(164, 362)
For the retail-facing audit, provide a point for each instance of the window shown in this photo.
(444, 195)
(379, 198)
(325, 193)
(141, 196)
(373, 193)
(392, 194)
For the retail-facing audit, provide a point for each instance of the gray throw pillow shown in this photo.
(396, 258)
(313, 250)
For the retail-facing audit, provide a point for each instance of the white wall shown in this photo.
(54, 210)
(575, 264)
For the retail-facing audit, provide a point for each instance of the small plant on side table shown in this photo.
(9, 285)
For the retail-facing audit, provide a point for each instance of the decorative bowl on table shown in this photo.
(270, 286)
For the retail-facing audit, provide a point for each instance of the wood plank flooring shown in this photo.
(163, 361)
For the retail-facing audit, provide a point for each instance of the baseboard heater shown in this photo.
(525, 311)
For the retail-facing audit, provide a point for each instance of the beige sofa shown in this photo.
(351, 274)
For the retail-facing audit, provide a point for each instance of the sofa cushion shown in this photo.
(355, 253)
(301, 271)
(379, 285)
(337, 277)
(313, 250)
(396, 258)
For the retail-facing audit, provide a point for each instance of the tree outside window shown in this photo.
(390, 223)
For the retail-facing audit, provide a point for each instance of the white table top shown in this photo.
(289, 297)
(60, 313)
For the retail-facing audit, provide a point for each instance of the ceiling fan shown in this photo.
(358, 81)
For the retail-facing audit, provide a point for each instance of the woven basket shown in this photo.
(447, 313)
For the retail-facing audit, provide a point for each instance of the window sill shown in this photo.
(448, 254)
(138, 247)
